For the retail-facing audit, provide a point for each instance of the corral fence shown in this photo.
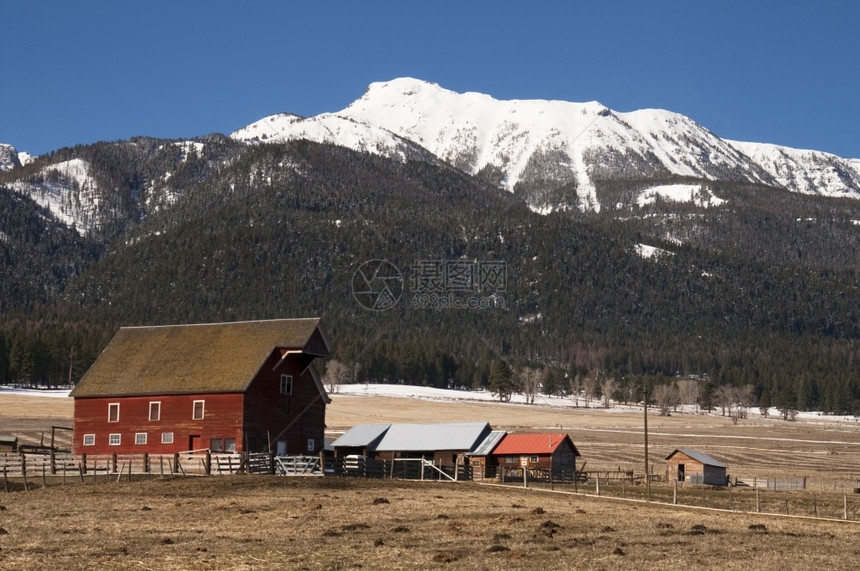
(31, 467)
(785, 496)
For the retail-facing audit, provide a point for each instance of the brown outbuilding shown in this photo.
(696, 467)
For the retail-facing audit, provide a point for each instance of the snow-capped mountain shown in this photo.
(8, 157)
(536, 147)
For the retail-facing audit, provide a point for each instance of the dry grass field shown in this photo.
(265, 522)
(261, 522)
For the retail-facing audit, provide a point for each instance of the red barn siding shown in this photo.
(296, 419)
(221, 419)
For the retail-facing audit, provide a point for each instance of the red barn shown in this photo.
(243, 386)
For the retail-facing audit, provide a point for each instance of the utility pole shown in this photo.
(71, 360)
(645, 410)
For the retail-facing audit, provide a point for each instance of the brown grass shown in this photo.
(260, 522)
(242, 522)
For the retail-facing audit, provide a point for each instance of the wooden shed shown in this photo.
(696, 467)
(8, 443)
(226, 387)
(546, 453)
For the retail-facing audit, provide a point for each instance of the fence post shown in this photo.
(785, 498)
(208, 465)
(6, 480)
(113, 462)
(53, 462)
(83, 464)
(146, 462)
(176, 462)
(757, 501)
(844, 506)
(675, 492)
(597, 489)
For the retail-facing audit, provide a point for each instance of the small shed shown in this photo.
(549, 453)
(696, 467)
(8, 443)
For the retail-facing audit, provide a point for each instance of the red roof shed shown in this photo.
(553, 452)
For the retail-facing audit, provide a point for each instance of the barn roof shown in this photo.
(363, 435)
(202, 358)
(489, 443)
(425, 437)
(533, 444)
(698, 457)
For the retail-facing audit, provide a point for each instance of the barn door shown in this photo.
(681, 473)
(193, 441)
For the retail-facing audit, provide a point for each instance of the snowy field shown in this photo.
(452, 395)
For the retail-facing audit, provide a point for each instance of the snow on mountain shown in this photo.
(693, 193)
(808, 172)
(67, 190)
(555, 153)
(8, 157)
(329, 128)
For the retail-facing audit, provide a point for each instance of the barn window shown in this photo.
(155, 410)
(140, 438)
(198, 410)
(89, 439)
(229, 445)
(167, 438)
(533, 459)
(476, 462)
(511, 459)
(286, 384)
(216, 445)
(115, 439)
(311, 445)
(113, 412)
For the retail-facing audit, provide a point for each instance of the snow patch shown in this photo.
(692, 193)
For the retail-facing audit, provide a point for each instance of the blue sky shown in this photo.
(783, 72)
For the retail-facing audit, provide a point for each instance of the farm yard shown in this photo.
(253, 522)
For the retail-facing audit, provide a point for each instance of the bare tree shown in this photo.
(744, 400)
(688, 392)
(724, 395)
(336, 374)
(530, 383)
(666, 396)
(589, 387)
(577, 385)
(607, 386)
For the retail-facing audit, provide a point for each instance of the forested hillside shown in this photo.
(761, 291)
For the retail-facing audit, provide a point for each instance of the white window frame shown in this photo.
(115, 439)
(113, 406)
(89, 439)
(140, 438)
(167, 438)
(156, 406)
(202, 410)
(286, 385)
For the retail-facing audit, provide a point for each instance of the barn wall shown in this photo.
(221, 419)
(298, 419)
